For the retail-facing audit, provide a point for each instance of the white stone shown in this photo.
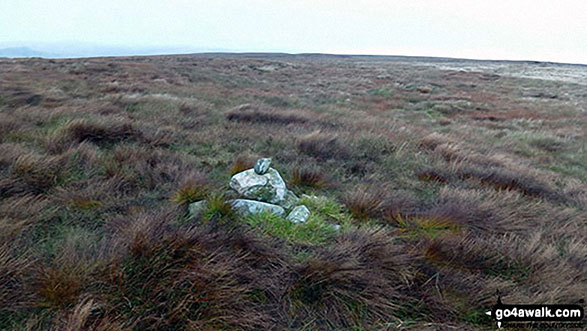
(268, 187)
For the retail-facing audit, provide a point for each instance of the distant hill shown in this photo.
(23, 52)
(76, 50)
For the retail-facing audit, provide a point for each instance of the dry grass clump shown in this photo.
(480, 210)
(20, 213)
(323, 146)
(59, 286)
(281, 117)
(433, 175)
(32, 173)
(356, 282)
(505, 179)
(218, 207)
(10, 152)
(183, 278)
(434, 140)
(364, 203)
(135, 167)
(15, 97)
(101, 133)
(161, 137)
(310, 177)
(423, 227)
(60, 283)
(399, 205)
(15, 265)
(81, 318)
(241, 163)
(193, 188)
(476, 255)
(9, 127)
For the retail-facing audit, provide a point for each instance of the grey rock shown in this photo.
(336, 227)
(262, 166)
(299, 214)
(247, 207)
(196, 208)
(268, 187)
(290, 200)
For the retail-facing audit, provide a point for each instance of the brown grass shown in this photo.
(241, 163)
(193, 188)
(322, 146)
(310, 177)
(253, 115)
(354, 283)
(364, 203)
(205, 283)
(97, 132)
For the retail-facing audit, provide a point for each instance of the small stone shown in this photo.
(262, 166)
(299, 214)
(196, 208)
(336, 227)
(247, 207)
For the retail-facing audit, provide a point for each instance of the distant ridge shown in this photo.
(23, 52)
(391, 57)
(92, 51)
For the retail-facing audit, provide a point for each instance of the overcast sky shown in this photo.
(553, 30)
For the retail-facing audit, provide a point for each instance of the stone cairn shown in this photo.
(262, 190)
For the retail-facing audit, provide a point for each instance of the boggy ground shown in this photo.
(449, 184)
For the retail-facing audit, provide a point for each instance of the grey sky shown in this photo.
(514, 30)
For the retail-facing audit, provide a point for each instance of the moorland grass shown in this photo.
(447, 185)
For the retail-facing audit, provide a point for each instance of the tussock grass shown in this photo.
(354, 283)
(364, 203)
(218, 207)
(193, 188)
(433, 175)
(241, 163)
(310, 177)
(15, 265)
(505, 179)
(98, 132)
(280, 117)
(322, 146)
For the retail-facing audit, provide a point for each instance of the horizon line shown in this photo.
(282, 53)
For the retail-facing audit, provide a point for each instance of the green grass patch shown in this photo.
(314, 231)
(328, 210)
(132, 107)
(280, 102)
(380, 92)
